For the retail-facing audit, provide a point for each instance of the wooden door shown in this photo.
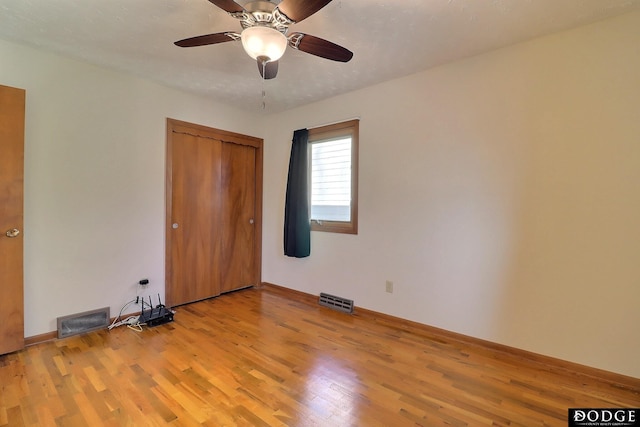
(12, 107)
(214, 205)
(194, 217)
(238, 216)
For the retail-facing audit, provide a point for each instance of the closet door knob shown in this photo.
(174, 225)
(13, 232)
(251, 221)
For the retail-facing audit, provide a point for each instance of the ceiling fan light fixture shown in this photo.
(263, 41)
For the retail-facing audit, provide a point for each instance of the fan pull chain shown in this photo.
(264, 93)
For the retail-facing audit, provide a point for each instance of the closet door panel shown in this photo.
(238, 200)
(194, 272)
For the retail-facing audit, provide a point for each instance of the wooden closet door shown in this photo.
(238, 204)
(12, 107)
(214, 212)
(194, 236)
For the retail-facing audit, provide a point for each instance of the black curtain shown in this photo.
(297, 225)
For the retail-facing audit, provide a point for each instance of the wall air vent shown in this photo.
(336, 303)
(80, 323)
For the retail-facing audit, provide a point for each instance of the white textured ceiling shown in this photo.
(389, 38)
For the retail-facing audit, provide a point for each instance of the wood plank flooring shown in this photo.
(264, 357)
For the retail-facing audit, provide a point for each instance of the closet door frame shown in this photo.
(177, 126)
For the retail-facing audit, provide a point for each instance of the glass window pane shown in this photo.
(331, 180)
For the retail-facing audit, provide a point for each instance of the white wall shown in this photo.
(499, 193)
(94, 180)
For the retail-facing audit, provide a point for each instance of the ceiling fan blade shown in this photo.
(319, 47)
(297, 10)
(268, 70)
(206, 39)
(228, 6)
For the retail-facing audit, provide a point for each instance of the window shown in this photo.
(334, 177)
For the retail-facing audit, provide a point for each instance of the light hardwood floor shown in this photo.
(267, 357)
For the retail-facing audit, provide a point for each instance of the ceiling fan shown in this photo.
(264, 32)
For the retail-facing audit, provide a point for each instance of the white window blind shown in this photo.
(331, 180)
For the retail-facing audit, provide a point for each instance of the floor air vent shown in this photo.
(79, 323)
(337, 303)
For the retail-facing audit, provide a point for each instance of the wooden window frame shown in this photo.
(348, 128)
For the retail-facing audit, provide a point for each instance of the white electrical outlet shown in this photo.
(389, 286)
